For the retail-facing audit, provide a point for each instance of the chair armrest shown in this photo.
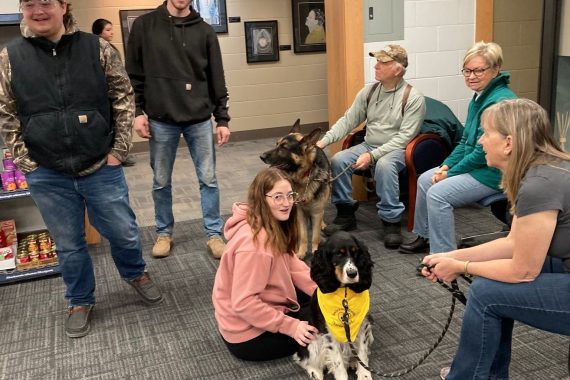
(353, 138)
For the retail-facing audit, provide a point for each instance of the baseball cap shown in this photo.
(391, 53)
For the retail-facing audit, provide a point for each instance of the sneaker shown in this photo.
(77, 324)
(148, 291)
(444, 372)
(216, 246)
(162, 246)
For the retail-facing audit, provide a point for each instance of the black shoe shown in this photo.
(392, 235)
(420, 245)
(345, 219)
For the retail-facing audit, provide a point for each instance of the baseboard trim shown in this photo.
(142, 146)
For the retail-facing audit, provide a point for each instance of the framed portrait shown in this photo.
(261, 41)
(214, 13)
(127, 18)
(309, 26)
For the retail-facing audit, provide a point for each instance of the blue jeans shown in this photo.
(163, 146)
(386, 171)
(433, 218)
(486, 334)
(62, 199)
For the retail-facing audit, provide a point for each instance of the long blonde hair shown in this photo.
(533, 144)
(282, 236)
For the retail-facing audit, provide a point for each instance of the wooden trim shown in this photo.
(484, 20)
(345, 57)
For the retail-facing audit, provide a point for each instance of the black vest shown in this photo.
(63, 106)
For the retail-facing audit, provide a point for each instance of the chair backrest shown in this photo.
(499, 207)
(441, 120)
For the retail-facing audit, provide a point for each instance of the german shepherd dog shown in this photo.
(309, 169)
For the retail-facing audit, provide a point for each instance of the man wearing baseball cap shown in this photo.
(394, 112)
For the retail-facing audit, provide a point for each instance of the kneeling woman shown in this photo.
(259, 278)
(524, 277)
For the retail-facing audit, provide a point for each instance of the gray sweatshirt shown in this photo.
(386, 129)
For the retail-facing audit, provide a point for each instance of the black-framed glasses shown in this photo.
(279, 198)
(28, 5)
(477, 72)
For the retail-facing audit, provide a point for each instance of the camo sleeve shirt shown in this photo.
(120, 93)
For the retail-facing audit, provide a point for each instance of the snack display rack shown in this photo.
(19, 207)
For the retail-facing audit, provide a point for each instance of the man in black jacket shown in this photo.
(175, 65)
(66, 110)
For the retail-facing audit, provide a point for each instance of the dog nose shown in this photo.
(351, 272)
(263, 157)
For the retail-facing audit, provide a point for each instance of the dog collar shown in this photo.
(333, 311)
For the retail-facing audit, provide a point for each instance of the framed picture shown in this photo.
(127, 18)
(261, 41)
(308, 26)
(214, 13)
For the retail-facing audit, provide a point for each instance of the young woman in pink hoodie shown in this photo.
(260, 277)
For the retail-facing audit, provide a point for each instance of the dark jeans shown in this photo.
(270, 346)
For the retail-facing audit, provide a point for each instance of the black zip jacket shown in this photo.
(175, 66)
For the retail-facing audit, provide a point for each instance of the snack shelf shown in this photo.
(8, 195)
(20, 275)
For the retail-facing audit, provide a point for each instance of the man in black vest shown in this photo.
(66, 111)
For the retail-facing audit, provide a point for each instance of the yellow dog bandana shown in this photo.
(332, 309)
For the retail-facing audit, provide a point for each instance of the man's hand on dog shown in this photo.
(305, 333)
(141, 126)
(363, 161)
(441, 267)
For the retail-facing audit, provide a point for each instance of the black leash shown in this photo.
(456, 295)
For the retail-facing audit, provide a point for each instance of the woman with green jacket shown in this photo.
(464, 176)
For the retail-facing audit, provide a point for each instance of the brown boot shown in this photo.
(216, 246)
(162, 246)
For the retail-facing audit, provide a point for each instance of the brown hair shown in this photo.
(282, 236)
(532, 140)
(67, 17)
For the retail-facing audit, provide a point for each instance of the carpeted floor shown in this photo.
(178, 338)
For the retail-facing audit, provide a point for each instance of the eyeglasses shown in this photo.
(28, 5)
(280, 197)
(477, 72)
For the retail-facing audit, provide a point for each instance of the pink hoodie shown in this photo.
(254, 286)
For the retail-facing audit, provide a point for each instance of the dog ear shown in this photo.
(365, 264)
(312, 138)
(296, 127)
(322, 271)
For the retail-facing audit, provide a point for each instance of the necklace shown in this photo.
(378, 100)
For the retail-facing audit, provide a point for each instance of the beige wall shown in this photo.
(517, 28)
(262, 95)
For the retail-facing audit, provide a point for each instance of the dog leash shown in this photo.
(341, 173)
(456, 294)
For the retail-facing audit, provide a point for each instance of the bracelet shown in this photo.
(465, 271)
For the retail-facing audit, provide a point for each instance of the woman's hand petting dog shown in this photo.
(441, 267)
(305, 333)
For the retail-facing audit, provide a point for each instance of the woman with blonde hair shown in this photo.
(260, 279)
(464, 177)
(524, 277)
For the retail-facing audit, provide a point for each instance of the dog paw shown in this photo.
(315, 375)
(363, 375)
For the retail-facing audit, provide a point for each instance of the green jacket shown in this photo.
(468, 156)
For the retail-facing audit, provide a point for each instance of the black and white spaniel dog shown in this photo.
(342, 269)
